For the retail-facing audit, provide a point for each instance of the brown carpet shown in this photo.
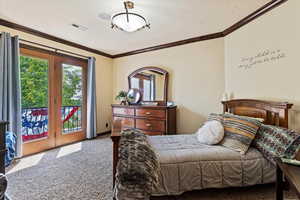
(83, 171)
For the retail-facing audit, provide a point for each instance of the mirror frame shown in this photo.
(162, 71)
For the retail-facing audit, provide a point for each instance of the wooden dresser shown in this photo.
(152, 120)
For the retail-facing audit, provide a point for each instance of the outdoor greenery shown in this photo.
(34, 83)
(72, 87)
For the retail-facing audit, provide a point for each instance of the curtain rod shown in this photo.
(55, 49)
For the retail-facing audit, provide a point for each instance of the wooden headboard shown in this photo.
(274, 113)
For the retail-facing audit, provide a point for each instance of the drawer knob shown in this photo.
(148, 125)
(148, 113)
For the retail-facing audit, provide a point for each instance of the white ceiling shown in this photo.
(171, 20)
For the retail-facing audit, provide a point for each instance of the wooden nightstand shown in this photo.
(287, 175)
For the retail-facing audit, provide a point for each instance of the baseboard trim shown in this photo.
(104, 133)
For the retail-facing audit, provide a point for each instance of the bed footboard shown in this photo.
(115, 137)
(115, 140)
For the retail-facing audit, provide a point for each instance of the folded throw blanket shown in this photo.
(137, 169)
(10, 146)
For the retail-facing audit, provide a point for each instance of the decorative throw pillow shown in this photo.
(215, 117)
(256, 118)
(212, 132)
(293, 150)
(273, 141)
(239, 132)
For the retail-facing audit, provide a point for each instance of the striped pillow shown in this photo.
(239, 132)
(215, 117)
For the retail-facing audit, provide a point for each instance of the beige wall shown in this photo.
(103, 76)
(196, 78)
(277, 79)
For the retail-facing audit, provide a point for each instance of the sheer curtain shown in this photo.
(10, 92)
(91, 100)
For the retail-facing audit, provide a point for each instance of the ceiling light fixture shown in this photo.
(129, 21)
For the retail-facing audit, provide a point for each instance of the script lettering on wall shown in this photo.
(262, 57)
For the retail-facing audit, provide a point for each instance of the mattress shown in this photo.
(187, 165)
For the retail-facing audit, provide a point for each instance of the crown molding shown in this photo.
(259, 12)
(172, 44)
(50, 37)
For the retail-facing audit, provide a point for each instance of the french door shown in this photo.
(53, 89)
(70, 106)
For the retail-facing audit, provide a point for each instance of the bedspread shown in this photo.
(188, 165)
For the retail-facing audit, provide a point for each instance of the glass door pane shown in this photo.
(34, 91)
(72, 98)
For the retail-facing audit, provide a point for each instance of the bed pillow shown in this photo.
(293, 151)
(215, 117)
(239, 132)
(262, 120)
(274, 141)
(212, 132)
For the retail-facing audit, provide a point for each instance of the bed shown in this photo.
(188, 165)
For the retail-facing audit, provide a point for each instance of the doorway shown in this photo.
(53, 91)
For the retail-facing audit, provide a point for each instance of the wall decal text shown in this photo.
(260, 58)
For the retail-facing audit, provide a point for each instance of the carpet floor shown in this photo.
(83, 171)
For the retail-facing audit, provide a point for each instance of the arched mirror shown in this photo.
(152, 82)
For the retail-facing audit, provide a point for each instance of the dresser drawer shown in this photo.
(125, 122)
(151, 113)
(150, 125)
(123, 111)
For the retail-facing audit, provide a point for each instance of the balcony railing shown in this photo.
(35, 121)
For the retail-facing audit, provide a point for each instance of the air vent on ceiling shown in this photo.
(80, 27)
(104, 16)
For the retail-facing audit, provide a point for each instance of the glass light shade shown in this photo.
(134, 22)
